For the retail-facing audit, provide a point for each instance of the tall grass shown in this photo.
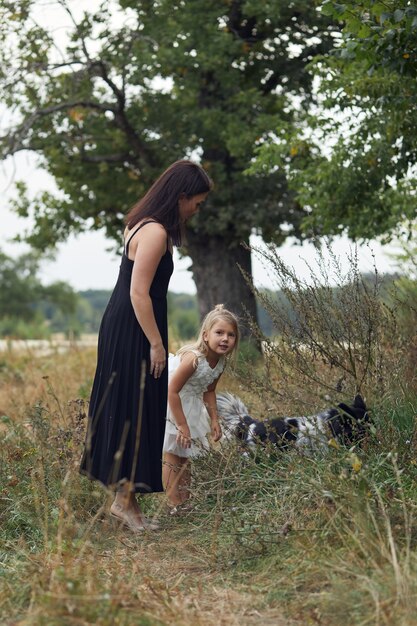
(274, 537)
(334, 336)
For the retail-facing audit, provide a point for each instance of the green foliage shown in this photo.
(264, 319)
(24, 300)
(104, 127)
(403, 297)
(18, 328)
(406, 257)
(364, 182)
(183, 316)
(378, 34)
(91, 305)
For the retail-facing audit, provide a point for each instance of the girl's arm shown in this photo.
(209, 398)
(151, 245)
(184, 371)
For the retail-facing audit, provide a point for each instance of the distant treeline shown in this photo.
(31, 310)
(42, 311)
(85, 313)
(183, 315)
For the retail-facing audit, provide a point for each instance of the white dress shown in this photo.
(191, 395)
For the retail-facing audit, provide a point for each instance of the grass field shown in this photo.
(272, 539)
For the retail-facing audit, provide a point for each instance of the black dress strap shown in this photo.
(134, 233)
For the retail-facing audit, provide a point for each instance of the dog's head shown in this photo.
(348, 423)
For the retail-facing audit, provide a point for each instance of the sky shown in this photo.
(87, 261)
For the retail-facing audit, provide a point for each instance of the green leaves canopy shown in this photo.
(364, 182)
(110, 110)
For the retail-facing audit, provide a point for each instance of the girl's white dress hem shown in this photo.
(191, 395)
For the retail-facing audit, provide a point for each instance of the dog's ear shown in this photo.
(359, 403)
(292, 421)
(247, 420)
(242, 427)
(358, 410)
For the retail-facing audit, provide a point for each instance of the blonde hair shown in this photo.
(219, 313)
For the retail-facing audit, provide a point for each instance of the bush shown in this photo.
(336, 338)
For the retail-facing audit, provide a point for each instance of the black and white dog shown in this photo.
(345, 424)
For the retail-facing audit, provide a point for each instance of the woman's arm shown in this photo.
(209, 398)
(184, 371)
(148, 247)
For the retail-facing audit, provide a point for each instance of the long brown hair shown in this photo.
(161, 200)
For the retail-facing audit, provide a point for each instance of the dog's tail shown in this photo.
(231, 411)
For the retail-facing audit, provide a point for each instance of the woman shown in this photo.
(128, 401)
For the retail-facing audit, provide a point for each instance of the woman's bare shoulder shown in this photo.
(146, 224)
(152, 233)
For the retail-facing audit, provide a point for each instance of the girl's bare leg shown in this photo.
(176, 477)
(184, 481)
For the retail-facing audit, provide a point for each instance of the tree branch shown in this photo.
(122, 157)
(15, 138)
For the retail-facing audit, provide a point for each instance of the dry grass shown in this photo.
(271, 540)
(63, 561)
(53, 380)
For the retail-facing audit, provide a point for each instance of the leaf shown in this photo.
(378, 9)
(339, 8)
(354, 25)
(364, 31)
(352, 45)
(355, 462)
(385, 17)
(398, 15)
(332, 442)
(327, 8)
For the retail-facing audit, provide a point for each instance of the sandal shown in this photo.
(179, 509)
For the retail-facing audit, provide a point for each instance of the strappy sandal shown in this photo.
(179, 509)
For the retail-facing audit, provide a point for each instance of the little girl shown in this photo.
(193, 375)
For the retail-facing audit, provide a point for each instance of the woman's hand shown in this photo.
(216, 431)
(158, 360)
(184, 436)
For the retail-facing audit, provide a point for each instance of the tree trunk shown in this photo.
(218, 278)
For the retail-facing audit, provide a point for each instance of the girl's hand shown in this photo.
(158, 360)
(184, 436)
(216, 431)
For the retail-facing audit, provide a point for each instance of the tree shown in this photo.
(22, 294)
(365, 182)
(105, 128)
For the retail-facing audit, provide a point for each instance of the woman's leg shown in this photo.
(176, 478)
(126, 507)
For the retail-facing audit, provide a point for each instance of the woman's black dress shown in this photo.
(128, 405)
